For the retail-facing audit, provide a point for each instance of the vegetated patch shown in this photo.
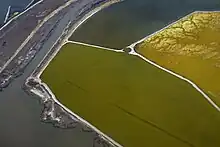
(190, 47)
(133, 102)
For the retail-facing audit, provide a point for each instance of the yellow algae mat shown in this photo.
(131, 101)
(189, 47)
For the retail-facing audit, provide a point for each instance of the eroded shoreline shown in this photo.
(53, 110)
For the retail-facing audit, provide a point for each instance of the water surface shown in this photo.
(16, 5)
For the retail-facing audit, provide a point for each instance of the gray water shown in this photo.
(127, 22)
(17, 5)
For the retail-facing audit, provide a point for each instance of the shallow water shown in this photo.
(124, 23)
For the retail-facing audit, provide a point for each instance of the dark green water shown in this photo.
(124, 23)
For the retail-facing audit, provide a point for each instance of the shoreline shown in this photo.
(48, 95)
